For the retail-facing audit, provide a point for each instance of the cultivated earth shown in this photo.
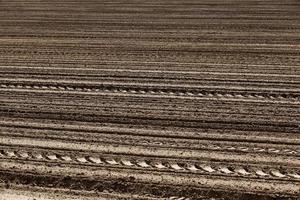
(149, 99)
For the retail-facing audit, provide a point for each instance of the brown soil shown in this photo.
(169, 99)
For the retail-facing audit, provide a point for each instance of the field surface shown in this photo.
(150, 99)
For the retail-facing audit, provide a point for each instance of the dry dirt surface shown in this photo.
(150, 99)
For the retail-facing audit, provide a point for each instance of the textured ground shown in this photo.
(149, 99)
